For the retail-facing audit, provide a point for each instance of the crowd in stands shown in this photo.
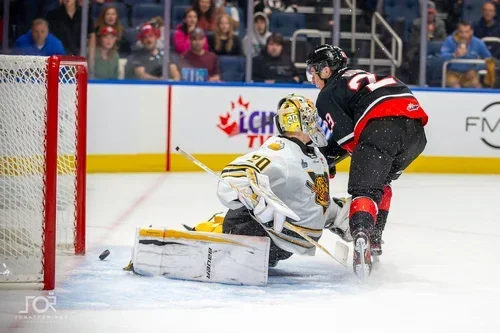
(209, 42)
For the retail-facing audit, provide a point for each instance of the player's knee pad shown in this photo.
(363, 212)
(385, 203)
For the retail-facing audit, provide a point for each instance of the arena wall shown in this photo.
(135, 126)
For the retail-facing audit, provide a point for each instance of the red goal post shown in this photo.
(43, 118)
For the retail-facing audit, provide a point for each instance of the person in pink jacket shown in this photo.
(182, 42)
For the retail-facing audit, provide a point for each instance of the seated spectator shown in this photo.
(108, 17)
(148, 62)
(207, 12)
(197, 57)
(182, 42)
(224, 41)
(232, 12)
(260, 34)
(157, 23)
(488, 26)
(38, 41)
(106, 54)
(436, 31)
(463, 45)
(269, 6)
(272, 66)
(65, 23)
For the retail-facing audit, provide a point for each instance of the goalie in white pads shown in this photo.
(253, 235)
(297, 174)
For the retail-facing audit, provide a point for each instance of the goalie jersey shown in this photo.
(298, 175)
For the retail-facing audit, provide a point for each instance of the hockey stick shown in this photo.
(341, 250)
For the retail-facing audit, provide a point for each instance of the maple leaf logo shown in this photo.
(226, 123)
(230, 128)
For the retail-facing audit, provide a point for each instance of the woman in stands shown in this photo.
(108, 17)
(181, 36)
(207, 12)
(232, 11)
(224, 41)
(106, 54)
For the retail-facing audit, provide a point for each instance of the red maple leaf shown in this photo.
(230, 128)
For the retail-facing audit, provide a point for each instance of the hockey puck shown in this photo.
(104, 255)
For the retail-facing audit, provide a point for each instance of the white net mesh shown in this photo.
(23, 117)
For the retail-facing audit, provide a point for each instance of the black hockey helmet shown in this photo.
(323, 56)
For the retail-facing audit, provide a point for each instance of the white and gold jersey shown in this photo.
(298, 175)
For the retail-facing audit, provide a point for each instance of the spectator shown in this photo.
(488, 26)
(106, 55)
(207, 11)
(182, 42)
(260, 34)
(65, 24)
(496, 3)
(197, 57)
(436, 31)
(157, 23)
(148, 62)
(224, 41)
(38, 41)
(232, 12)
(272, 66)
(269, 6)
(108, 17)
(463, 45)
(455, 8)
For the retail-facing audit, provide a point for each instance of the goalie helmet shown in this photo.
(297, 113)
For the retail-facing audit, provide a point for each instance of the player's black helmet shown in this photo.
(325, 56)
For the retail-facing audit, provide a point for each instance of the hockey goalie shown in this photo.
(274, 195)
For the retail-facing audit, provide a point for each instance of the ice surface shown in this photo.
(439, 272)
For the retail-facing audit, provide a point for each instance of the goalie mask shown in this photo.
(297, 113)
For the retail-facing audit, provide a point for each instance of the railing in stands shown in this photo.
(396, 55)
(459, 61)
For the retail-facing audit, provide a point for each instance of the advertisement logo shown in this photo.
(487, 126)
(242, 119)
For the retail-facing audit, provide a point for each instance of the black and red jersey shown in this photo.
(352, 97)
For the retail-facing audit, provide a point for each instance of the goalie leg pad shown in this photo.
(202, 256)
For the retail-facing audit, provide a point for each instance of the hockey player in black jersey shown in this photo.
(380, 123)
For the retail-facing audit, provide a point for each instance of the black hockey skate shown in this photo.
(376, 245)
(362, 259)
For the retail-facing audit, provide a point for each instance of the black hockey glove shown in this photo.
(333, 155)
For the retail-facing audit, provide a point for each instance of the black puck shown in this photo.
(104, 255)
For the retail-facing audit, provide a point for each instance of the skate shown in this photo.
(376, 244)
(362, 259)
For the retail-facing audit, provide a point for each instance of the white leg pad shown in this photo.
(201, 256)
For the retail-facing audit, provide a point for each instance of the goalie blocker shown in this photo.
(201, 256)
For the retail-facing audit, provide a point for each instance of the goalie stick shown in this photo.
(341, 250)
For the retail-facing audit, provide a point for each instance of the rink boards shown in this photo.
(135, 126)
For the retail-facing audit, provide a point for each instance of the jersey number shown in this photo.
(354, 82)
(260, 162)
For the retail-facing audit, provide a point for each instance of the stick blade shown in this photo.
(341, 253)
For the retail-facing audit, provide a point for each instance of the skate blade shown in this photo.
(363, 269)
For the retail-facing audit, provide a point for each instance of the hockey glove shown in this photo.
(338, 220)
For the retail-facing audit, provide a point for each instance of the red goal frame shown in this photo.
(51, 159)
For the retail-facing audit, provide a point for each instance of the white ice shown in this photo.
(439, 272)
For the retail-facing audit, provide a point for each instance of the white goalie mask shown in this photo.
(297, 113)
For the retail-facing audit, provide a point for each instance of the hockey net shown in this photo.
(42, 165)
